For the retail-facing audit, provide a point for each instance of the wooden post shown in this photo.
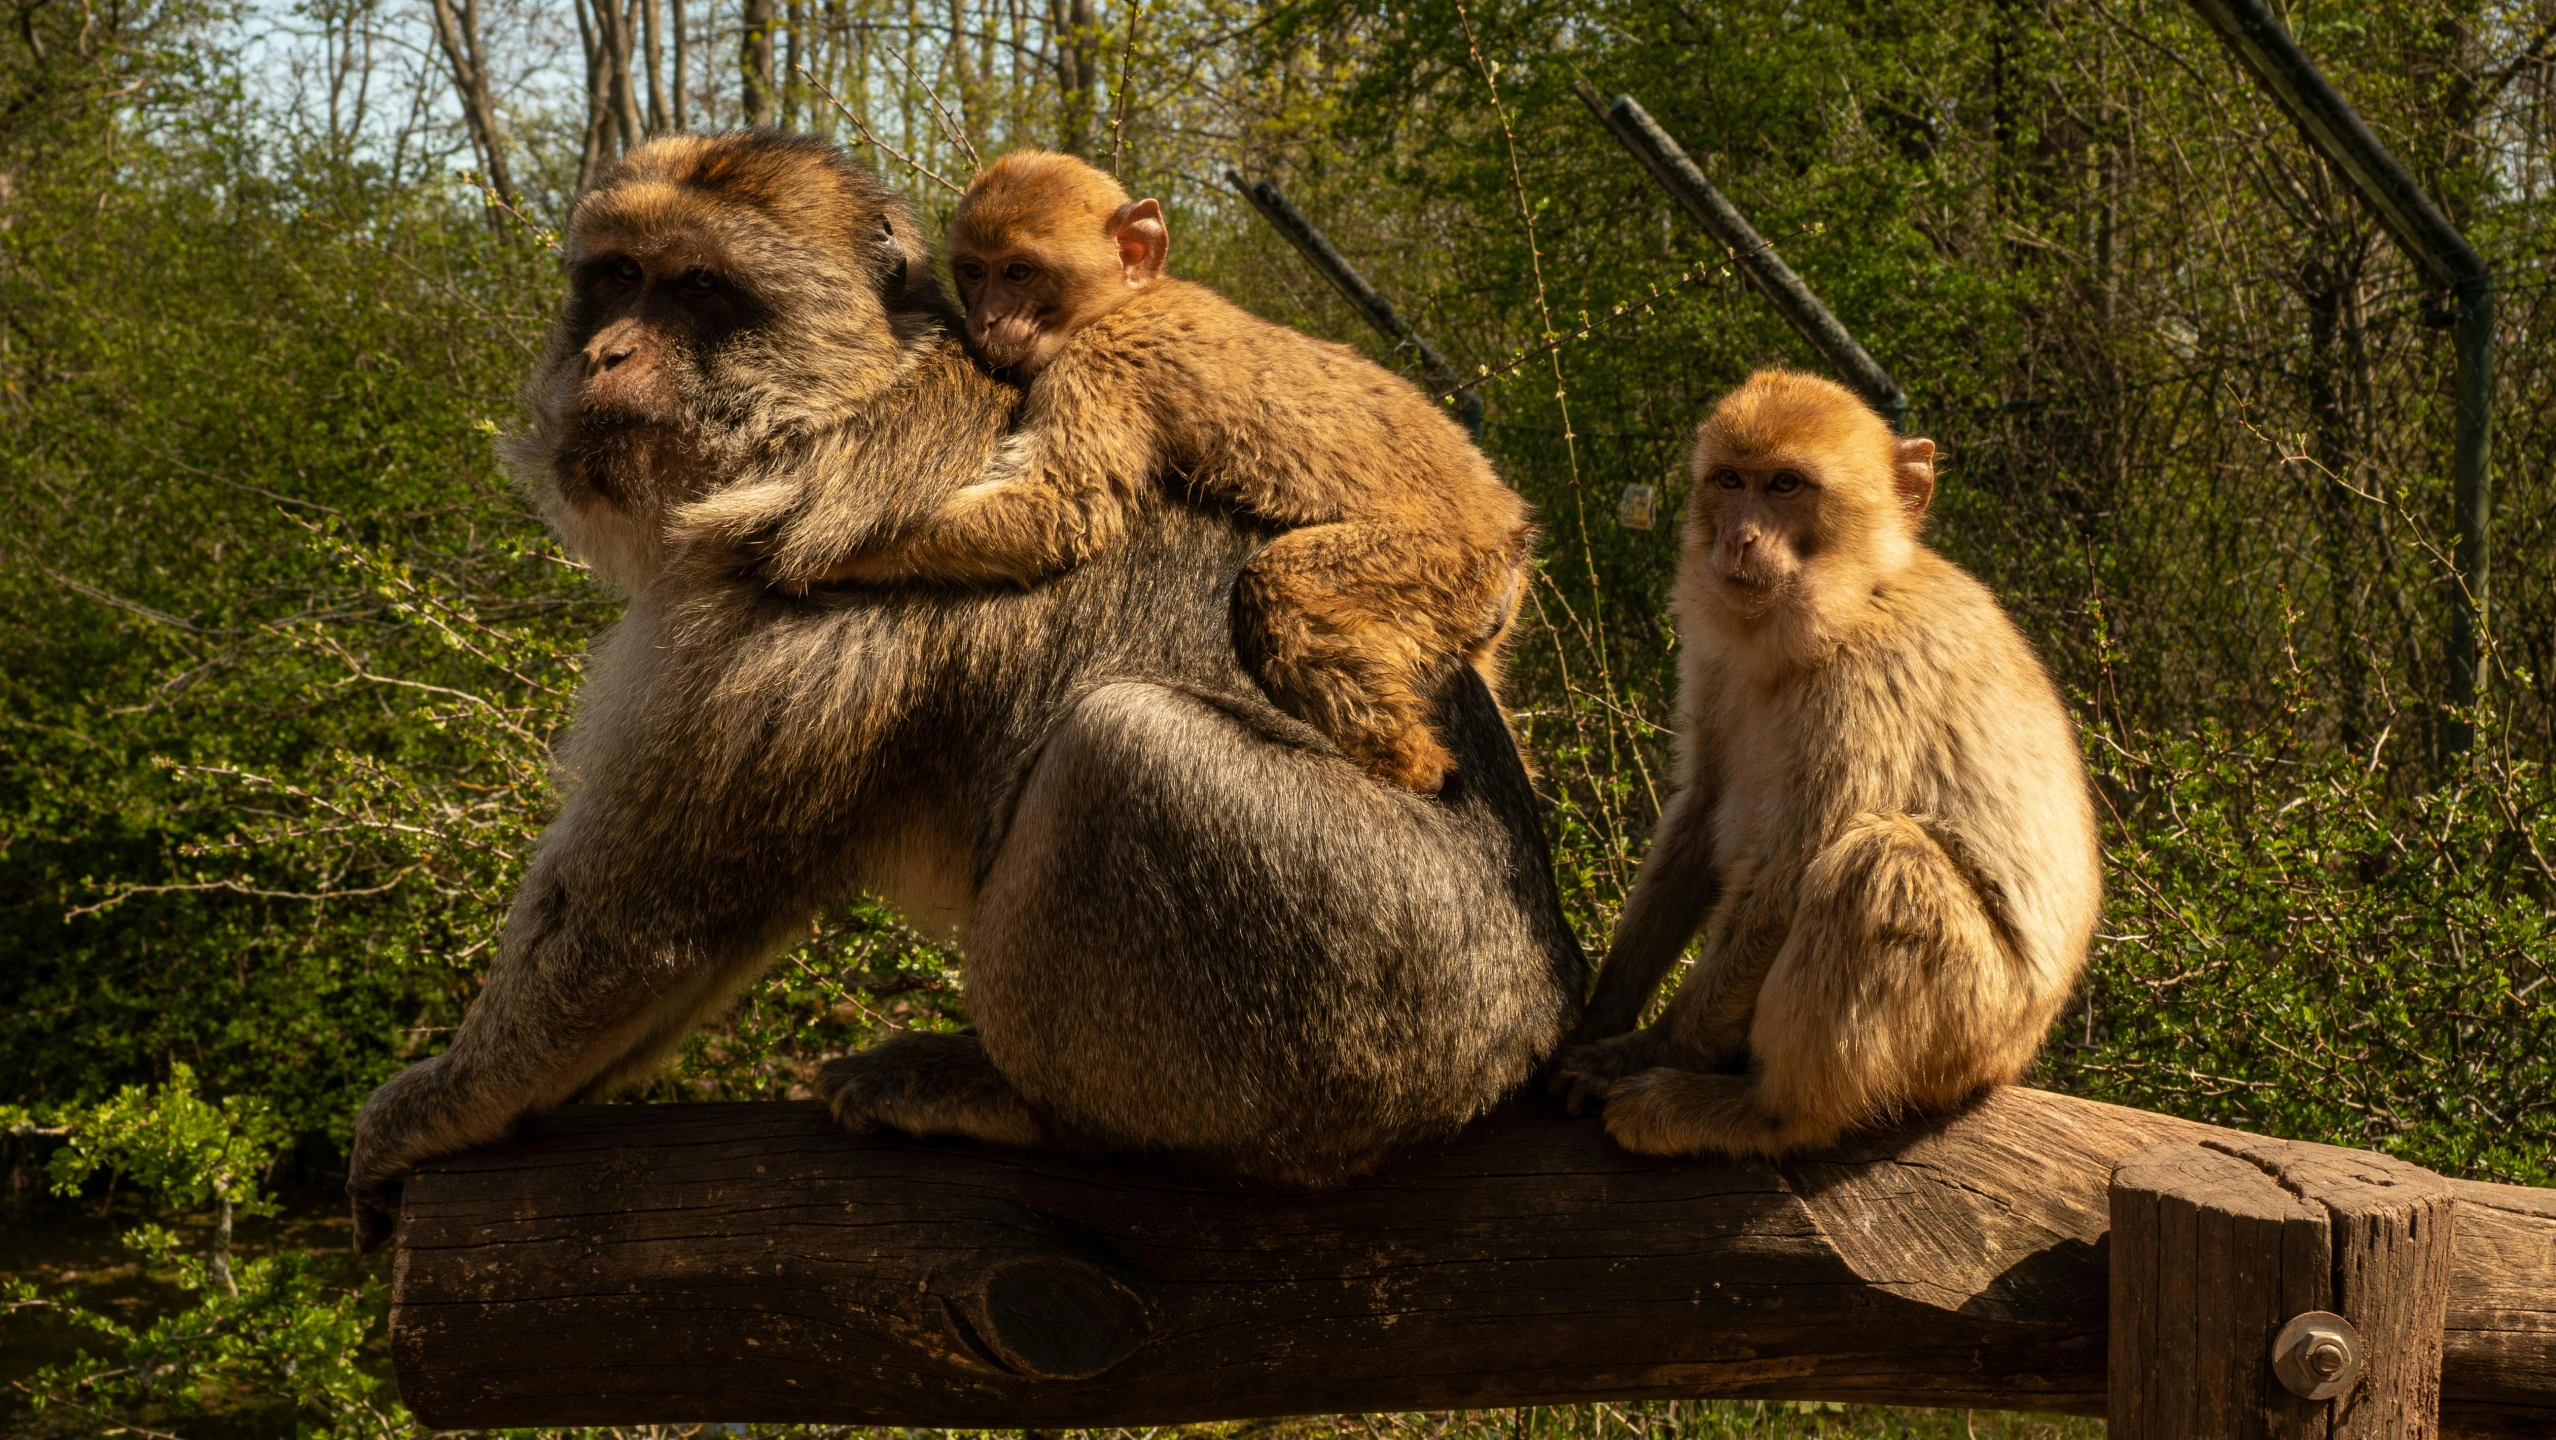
(2269, 1290)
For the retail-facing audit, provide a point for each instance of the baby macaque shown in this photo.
(1881, 820)
(1402, 550)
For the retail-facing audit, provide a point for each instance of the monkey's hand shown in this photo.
(392, 1135)
(994, 532)
(1589, 1072)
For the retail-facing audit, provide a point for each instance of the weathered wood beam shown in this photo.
(751, 1262)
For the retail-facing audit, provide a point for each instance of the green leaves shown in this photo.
(168, 1139)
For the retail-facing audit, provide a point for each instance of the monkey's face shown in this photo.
(1018, 304)
(1761, 524)
(647, 318)
(1030, 278)
(1802, 496)
(722, 292)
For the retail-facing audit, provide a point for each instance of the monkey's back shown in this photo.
(1305, 431)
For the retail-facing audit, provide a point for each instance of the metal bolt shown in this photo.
(2317, 1355)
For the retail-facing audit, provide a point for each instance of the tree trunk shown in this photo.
(1076, 67)
(598, 141)
(457, 35)
(659, 120)
(218, 1263)
(682, 98)
(755, 60)
(792, 90)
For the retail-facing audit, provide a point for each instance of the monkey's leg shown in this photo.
(1893, 992)
(1354, 627)
(1705, 1026)
(1677, 887)
(925, 1083)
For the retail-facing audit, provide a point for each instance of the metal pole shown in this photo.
(2335, 131)
(1289, 221)
(1668, 163)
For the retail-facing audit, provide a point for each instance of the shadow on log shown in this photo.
(751, 1262)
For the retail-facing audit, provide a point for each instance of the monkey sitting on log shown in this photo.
(1881, 820)
(1403, 551)
(1188, 925)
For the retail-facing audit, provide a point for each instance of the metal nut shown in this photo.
(2317, 1355)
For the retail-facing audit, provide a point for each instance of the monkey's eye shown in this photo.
(970, 271)
(625, 271)
(1784, 483)
(1018, 271)
(698, 281)
(1728, 478)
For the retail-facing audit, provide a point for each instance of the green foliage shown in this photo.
(2293, 949)
(277, 1332)
(170, 1140)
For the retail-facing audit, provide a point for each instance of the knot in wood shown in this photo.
(1055, 1317)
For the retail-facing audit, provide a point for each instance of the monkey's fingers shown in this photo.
(839, 1084)
(1580, 1084)
(376, 1214)
(1414, 760)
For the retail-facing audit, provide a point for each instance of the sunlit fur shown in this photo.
(1881, 821)
(1403, 550)
(1185, 926)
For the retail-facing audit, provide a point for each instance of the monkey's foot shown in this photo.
(1678, 1112)
(1589, 1072)
(925, 1083)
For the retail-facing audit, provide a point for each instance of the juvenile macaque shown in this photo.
(1881, 821)
(1402, 550)
(1185, 929)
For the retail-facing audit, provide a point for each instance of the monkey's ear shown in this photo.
(1144, 241)
(1912, 475)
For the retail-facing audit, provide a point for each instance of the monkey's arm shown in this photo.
(1056, 494)
(1676, 887)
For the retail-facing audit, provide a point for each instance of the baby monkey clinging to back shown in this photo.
(1881, 819)
(1402, 550)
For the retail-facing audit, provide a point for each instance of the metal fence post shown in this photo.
(1289, 221)
(2335, 131)
(1668, 163)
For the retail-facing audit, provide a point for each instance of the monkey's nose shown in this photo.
(600, 358)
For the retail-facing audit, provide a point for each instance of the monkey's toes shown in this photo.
(1643, 1118)
(1578, 1078)
(849, 1090)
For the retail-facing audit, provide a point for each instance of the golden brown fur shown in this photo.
(1402, 551)
(1186, 926)
(1881, 821)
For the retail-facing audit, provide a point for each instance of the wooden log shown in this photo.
(750, 1262)
(2265, 1290)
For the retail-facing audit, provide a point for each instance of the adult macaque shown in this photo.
(1402, 551)
(1187, 926)
(1881, 820)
